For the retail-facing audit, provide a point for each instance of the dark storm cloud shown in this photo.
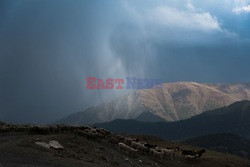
(48, 48)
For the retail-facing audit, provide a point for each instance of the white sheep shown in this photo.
(156, 153)
(169, 152)
(128, 141)
(191, 157)
(103, 131)
(127, 149)
(89, 133)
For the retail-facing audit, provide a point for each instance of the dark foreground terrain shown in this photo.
(224, 142)
(21, 150)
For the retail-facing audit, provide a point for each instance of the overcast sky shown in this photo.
(48, 48)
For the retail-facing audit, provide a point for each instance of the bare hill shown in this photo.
(175, 101)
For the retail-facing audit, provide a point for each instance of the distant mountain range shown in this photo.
(234, 118)
(223, 142)
(175, 101)
(148, 116)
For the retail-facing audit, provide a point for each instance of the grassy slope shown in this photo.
(20, 150)
(226, 142)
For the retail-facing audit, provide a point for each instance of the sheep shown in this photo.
(41, 129)
(150, 145)
(187, 152)
(132, 151)
(176, 148)
(139, 146)
(122, 146)
(200, 153)
(102, 131)
(191, 157)
(84, 127)
(127, 149)
(91, 134)
(115, 139)
(135, 145)
(169, 152)
(119, 137)
(44, 129)
(193, 154)
(128, 141)
(156, 153)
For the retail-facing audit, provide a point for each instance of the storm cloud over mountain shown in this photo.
(48, 48)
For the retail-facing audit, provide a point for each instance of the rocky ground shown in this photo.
(21, 150)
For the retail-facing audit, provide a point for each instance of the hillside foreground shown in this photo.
(21, 150)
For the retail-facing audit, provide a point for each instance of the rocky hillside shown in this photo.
(175, 101)
(26, 145)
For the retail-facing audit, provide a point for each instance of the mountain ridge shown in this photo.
(175, 101)
(234, 118)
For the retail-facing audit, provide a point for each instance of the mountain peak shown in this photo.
(175, 101)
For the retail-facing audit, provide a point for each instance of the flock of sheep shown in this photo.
(135, 146)
(130, 146)
(86, 131)
(34, 129)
